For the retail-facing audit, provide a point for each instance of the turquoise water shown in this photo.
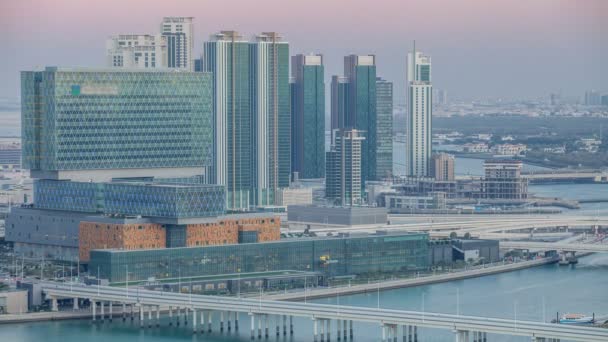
(531, 294)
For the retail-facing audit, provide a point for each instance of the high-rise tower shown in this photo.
(178, 32)
(308, 116)
(361, 108)
(384, 128)
(419, 114)
(226, 56)
(343, 181)
(271, 138)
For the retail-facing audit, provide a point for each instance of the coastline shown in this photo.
(311, 294)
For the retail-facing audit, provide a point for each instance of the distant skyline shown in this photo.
(480, 48)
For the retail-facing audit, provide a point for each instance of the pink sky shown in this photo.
(479, 47)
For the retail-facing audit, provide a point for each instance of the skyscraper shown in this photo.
(593, 98)
(384, 128)
(308, 116)
(343, 182)
(178, 32)
(136, 51)
(361, 108)
(271, 116)
(339, 103)
(419, 114)
(227, 57)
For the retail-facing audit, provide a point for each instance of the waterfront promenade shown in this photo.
(472, 272)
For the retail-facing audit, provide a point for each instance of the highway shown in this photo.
(557, 246)
(260, 309)
(476, 225)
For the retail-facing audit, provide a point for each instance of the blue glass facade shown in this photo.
(330, 256)
(99, 119)
(308, 116)
(131, 198)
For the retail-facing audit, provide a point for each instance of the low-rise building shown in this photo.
(476, 250)
(13, 302)
(476, 148)
(403, 204)
(332, 257)
(509, 149)
(293, 196)
(307, 217)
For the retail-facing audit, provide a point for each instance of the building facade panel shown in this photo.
(104, 119)
(332, 256)
(103, 235)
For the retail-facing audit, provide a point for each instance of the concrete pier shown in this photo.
(194, 331)
(209, 321)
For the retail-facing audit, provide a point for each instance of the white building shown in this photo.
(136, 51)
(420, 112)
(178, 32)
(293, 196)
(509, 149)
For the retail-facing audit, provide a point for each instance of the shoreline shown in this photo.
(405, 283)
(300, 296)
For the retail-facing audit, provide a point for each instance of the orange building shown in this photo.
(225, 230)
(123, 235)
(141, 233)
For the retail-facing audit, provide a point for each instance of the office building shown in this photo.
(384, 129)
(343, 183)
(593, 98)
(339, 101)
(178, 32)
(132, 198)
(136, 51)
(361, 111)
(442, 167)
(271, 136)
(604, 100)
(101, 124)
(10, 157)
(503, 180)
(227, 57)
(308, 116)
(419, 115)
(333, 257)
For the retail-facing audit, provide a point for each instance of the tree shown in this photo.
(467, 235)
(453, 235)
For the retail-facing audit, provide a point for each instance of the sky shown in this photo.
(479, 48)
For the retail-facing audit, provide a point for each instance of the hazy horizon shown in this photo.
(480, 49)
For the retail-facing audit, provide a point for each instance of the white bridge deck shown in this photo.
(460, 325)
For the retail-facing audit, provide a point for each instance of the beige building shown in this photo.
(442, 167)
(13, 302)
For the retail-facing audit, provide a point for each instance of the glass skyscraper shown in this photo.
(272, 116)
(384, 128)
(227, 57)
(308, 116)
(354, 106)
(98, 124)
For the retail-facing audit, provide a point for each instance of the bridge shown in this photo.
(562, 176)
(549, 246)
(321, 315)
